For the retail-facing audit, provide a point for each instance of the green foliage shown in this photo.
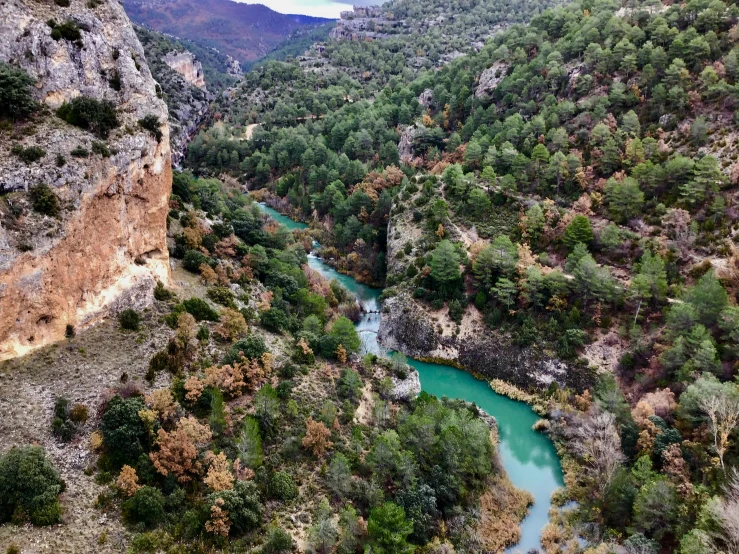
(125, 436)
(349, 385)
(625, 199)
(579, 231)
(222, 296)
(68, 30)
(282, 487)
(445, 268)
(252, 346)
(194, 259)
(200, 309)
(16, 94)
(151, 123)
(388, 530)
(249, 444)
(129, 320)
(99, 117)
(28, 154)
(277, 540)
(29, 484)
(44, 200)
(145, 506)
(243, 506)
(343, 333)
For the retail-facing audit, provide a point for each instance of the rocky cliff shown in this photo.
(409, 327)
(186, 65)
(414, 328)
(106, 246)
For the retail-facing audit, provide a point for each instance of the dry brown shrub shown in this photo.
(662, 402)
(207, 275)
(502, 507)
(341, 354)
(219, 477)
(242, 473)
(218, 524)
(232, 325)
(194, 388)
(128, 481)
(228, 378)
(178, 449)
(193, 238)
(317, 437)
(162, 402)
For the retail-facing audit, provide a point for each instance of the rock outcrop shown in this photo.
(107, 247)
(490, 79)
(186, 65)
(407, 327)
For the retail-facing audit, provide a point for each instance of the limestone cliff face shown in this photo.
(186, 65)
(106, 249)
(414, 328)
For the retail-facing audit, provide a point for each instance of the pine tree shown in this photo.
(445, 268)
(579, 230)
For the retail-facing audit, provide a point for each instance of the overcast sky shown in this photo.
(320, 8)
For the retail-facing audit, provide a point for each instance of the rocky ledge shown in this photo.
(408, 327)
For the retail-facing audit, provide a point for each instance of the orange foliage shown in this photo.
(317, 437)
(128, 481)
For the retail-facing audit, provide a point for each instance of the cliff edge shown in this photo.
(105, 247)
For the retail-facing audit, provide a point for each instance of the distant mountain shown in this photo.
(245, 31)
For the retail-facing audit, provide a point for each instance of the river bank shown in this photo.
(528, 457)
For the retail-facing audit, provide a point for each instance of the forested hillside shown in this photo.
(573, 183)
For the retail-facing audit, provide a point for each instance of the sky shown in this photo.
(319, 8)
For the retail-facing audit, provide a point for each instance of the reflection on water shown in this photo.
(528, 457)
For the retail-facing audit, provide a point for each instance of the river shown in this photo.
(529, 457)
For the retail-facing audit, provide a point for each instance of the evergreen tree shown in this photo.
(579, 231)
(625, 199)
(388, 530)
(445, 268)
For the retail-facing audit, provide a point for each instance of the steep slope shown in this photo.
(99, 244)
(244, 31)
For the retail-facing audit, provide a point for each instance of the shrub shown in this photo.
(80, 152)
(275, 320)
(222, 296)
(44, 200)
(277, 540)
(69, 30)
(145, 506)
(151, 124)
(29, 484)
(78, 413)
(88, 113)
(63, 429)
(243, 506)
(193, 260)
(28, 155)
(100, 148)
(200, 310)
(16, 97)
(125, 436)
(130, 320)
(161, 293)
(282, 487)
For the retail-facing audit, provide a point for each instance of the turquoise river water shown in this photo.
(528, 457)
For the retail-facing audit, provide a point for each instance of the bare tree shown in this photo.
(723, 416)
(599, 445)
(725, 511)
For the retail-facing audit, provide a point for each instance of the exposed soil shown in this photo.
(80, 369)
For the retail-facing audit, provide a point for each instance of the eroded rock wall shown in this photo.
(107, 248)
(186, 65)
(408, 327)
